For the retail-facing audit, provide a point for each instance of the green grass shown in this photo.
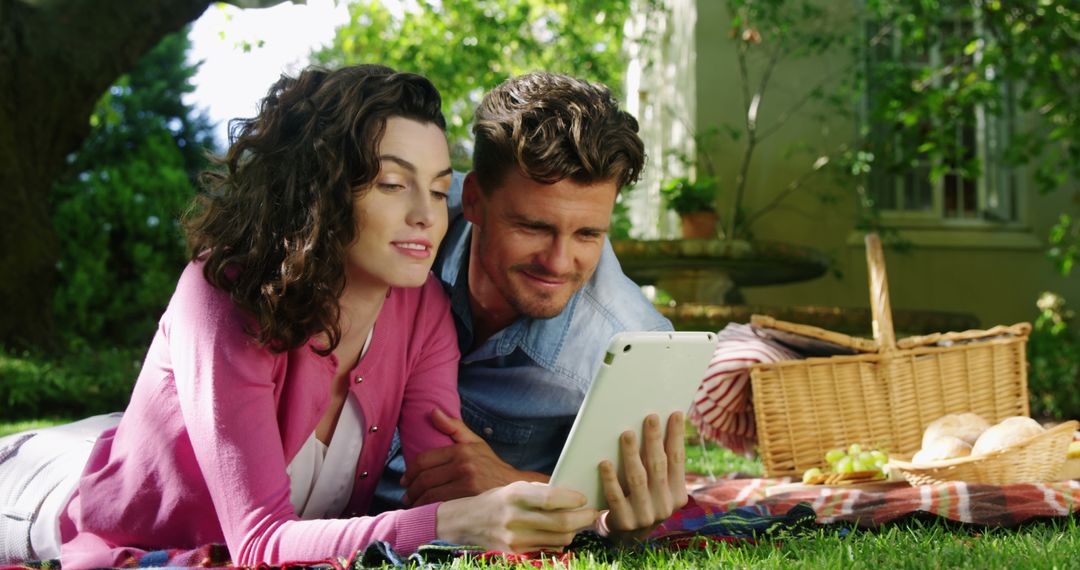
(914, 544)
(7, 428)
(714, 460)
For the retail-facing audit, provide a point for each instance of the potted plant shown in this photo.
(693, 196)
(693, 199)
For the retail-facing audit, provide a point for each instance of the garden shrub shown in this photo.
(82, 382)
(1054, 357)
(116, 209)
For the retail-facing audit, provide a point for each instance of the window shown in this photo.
(937, 137)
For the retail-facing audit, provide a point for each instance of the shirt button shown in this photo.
(488, 431)
(363, 475)
(359, 379)
(374, 429)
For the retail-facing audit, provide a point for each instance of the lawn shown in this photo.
(7, 428)
(917, 543)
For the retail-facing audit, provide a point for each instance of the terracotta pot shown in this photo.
(699, 225)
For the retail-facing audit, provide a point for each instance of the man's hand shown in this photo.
(467, 468)
(655, 480)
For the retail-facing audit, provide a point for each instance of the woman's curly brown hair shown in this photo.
(276, 218)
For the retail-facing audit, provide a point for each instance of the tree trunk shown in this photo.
(56, 59)
(30, 249)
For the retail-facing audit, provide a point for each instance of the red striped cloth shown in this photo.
(722, 410)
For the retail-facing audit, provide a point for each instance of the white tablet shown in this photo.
(642, 373)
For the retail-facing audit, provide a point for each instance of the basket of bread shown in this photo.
(966, 447)
(884, 392)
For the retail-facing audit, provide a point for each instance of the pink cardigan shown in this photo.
(200, 454)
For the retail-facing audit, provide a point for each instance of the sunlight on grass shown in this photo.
(7, 428)
(711, 459)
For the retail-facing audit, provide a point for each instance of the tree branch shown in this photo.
(792, 186)
(809, 94)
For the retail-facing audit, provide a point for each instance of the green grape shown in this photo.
(859, 465)
(845, 465)
(834, 455)
(854, 449)
(810, 473)
(879, 456)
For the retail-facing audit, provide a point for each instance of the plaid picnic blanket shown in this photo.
(993, 505)
(694, 526)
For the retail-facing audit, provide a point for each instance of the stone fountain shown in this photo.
(704, 278)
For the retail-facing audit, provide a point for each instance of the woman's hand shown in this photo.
(520, 517)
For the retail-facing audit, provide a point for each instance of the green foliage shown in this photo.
(82, 382)
(697, 192)
(466, 48)
(116, 209)
(1065, 244)
(685, 195)
(925, 78)
(765, 34)
(620, 217)
(1054, 354)
(1010, 59)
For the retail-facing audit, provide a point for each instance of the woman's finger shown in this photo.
(562, 521)
(531, 540)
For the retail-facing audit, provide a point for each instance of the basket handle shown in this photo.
(879, 295)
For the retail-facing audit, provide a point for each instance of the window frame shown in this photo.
(1000, 199)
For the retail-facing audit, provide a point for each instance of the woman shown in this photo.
(305, 329)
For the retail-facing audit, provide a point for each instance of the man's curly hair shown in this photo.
(275, 219)
(552, 127)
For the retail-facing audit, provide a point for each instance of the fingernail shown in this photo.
(653, 420)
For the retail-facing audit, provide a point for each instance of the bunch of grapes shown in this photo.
(851, 460)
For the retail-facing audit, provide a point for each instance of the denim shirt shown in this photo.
(521, 389)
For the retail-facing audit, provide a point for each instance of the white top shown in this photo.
(321, 476)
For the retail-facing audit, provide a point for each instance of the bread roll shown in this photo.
(1008, 432)
(967, 426)
(944, 447)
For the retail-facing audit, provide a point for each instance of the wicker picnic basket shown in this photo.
(886, 394)
(1037, 459)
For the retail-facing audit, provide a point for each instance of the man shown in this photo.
(537, 293)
